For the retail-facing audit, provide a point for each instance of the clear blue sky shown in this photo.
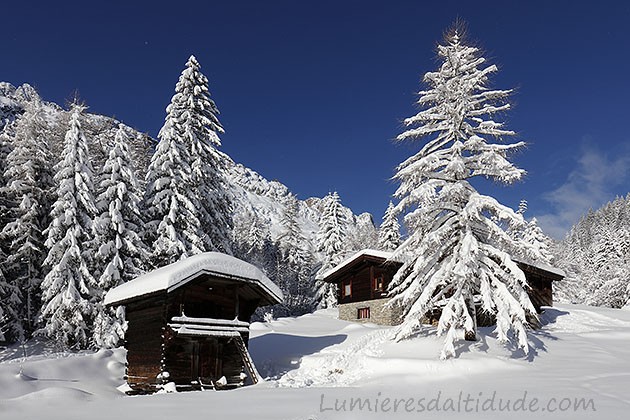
(312, 93)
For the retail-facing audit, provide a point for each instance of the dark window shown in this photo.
(379, 285)
(363, 313)
(346, 289)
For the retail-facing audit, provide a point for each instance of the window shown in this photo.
(347, 289)
(363, 313)
(379, 285)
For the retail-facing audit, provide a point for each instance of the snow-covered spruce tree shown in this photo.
(28, 182)
(10, 300)
(330, 240)
(295, 269)
(186, 198)
(532, 234)
(458, 251)
(389, 231)
(5, 149)
(119, 251)
(66, 308)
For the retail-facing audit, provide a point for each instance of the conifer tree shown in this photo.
(10, 300)
(119, 251)
(531, 234)
(186, 199)
(28, 183)
(389, 232)
(330, 239)
(457, 249)
(296, 262)
(66, 308)
(5, 149)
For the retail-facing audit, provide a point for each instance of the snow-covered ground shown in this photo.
(316, 362)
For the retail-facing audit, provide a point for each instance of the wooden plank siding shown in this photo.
(154, 347)
(362, 281)
(143, 341)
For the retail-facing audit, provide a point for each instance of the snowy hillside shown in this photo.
(251, 191)
(316, 362)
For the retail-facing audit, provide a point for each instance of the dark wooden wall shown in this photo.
(211, 298)
(362, 283)
(152, 346)
(143, 341)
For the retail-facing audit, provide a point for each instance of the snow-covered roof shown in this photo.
(385, 255)
(542, 266)
(174, 275)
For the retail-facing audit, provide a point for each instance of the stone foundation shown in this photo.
(379, 313)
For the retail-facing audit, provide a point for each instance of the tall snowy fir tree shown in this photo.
(296, 262)
(28, 182)
(188, 207)
(330, 240)
(119, 251)
(66, 308)
(532, 234)
(5, 149)
(389, 231)
(10, 301)
(458, 249)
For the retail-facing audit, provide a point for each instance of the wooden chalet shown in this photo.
(188, 323)
(363, 281)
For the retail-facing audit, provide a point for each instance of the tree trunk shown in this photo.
(471, 335)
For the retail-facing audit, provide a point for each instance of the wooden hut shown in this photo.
(188, 322)
(363, 280)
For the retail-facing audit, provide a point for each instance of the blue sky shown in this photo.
(312, 93)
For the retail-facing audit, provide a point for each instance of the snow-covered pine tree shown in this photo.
(119, 251)
(28, 183)
(201, 127)
(295, 269)
(5, 149)
(66, 309)
(330, 240)
(10, 300)
(457, 251)
(389, 231)
(532, 234)
(186, 199)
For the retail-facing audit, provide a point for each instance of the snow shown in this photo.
(210, 321)
(174, 275)
(184, 330)
(365, 252)
(315, 361)
(542, 266)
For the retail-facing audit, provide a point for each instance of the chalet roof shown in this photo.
(379, 256)
(557, 272)
(384, 256)
(173, 276)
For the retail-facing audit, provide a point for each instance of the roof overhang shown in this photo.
(356, 261)
(173, 276)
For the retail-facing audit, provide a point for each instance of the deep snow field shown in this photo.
(319, 367)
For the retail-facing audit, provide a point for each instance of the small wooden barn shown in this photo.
(363, 280)
(188, 322)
